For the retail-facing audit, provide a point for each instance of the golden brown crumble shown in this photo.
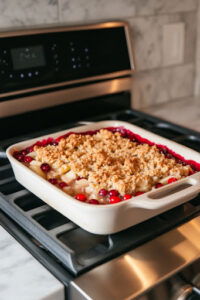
(109, 161)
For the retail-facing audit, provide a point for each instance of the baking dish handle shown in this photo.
(167, 198)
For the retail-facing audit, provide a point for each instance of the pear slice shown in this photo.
(37, 170)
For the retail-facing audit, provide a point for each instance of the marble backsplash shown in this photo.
(154, 80)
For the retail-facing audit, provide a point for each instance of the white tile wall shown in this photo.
(162, 85)
(87, 10)
(27, 12)
(76, 10)
(197, 61)
(147, 18)
(148, 38)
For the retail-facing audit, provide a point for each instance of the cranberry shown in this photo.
(15, 154)
(132, 138)
(164, 151)
(93, 201)
(62, 184)
(38, 143)
(45, 167)
(139, 193)
(28, 159)
(113, 193)
(44, 142)
(183, 163)
(123, 133)
(49, 140)
(19, 156)
(54, 143)
(103, 192)
(24, 152)
(59, 138)
(168, 155)
(79, 178)
(158, 185)
(81, 197)
(172, 179)
(127, 196)
(90, 132)
(53, 181)
(30, 149)
(114, 199)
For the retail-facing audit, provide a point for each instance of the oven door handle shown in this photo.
(183, 290)
(187, 293)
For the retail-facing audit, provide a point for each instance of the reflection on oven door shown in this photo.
(183, 286)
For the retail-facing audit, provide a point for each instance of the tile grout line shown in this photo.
(157, 14)
(163, 68)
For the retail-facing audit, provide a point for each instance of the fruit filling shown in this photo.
(105, 166)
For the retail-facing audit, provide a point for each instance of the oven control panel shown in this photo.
(41, 59)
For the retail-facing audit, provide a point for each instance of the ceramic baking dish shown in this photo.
(111, 218)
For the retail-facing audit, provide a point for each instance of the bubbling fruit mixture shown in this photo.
(105, 166)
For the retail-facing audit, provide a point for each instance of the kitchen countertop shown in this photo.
(22, 277)
(185, 112)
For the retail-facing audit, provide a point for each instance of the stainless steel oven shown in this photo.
(61, 77)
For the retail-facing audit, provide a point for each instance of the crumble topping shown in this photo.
(106, 160)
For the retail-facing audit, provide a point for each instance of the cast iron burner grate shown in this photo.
(74, 248)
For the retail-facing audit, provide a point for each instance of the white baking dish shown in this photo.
(111, 218)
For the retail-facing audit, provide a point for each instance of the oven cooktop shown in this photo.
(74, 249)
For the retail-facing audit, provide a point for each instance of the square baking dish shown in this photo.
(111, 218)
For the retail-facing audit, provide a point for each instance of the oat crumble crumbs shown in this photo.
(108, 161)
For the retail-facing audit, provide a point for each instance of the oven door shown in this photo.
(166, 268)
(183, 286)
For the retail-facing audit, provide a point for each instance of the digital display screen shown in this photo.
(28, 57)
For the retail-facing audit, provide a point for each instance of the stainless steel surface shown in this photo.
(139, 270)
(66, 83)
(61, 28)
(196, 280)
(29, 103)
(175, 288)
(180, 288)
(183, 293)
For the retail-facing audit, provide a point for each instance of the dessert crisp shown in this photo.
(103, 167)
